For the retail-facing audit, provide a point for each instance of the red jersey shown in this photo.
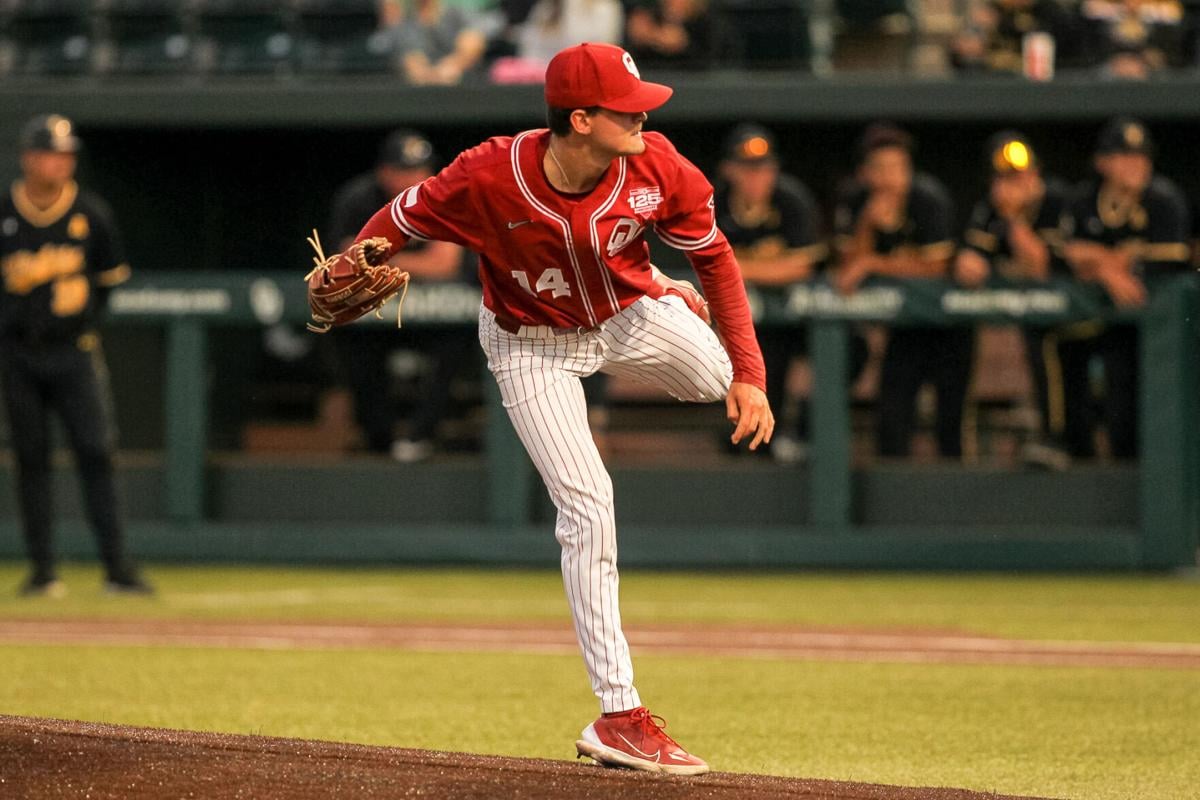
(548, 258)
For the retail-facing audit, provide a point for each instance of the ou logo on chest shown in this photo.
(623, 234)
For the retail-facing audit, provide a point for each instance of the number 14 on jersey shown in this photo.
(551, 280)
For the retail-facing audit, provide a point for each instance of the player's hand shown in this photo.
(1031, 255)
(970, 269)
(1085, 258)
(850, 275)
(1125, 290)
(672, 38)
(884, 210)
(747, 408)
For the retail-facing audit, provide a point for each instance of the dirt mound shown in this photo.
(44, 758)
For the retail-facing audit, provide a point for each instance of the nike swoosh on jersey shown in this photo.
(518, 223)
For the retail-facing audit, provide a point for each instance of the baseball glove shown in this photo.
(664, 285)
(350, 284)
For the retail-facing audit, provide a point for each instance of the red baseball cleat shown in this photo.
(636, 739)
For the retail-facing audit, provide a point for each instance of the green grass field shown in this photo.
(1050, 731)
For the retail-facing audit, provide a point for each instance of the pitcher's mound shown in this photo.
(46, 758)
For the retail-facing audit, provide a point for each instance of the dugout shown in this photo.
(206, 178)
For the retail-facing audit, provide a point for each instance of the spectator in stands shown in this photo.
(874, 35)
(1013, 237)
(438, 44)
(405, 159)
(1191, 35)
(772, 221)
(530, 32)
(1134, 39)
(1124, 230)
(895, 224)
(555, 24)
(672, 34)
(994, 36)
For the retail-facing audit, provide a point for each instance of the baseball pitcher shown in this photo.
(558, 218)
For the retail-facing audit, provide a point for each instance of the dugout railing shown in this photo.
(189, 305)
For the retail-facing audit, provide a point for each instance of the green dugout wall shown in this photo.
(198, 507)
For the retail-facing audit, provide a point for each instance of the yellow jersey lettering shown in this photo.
(70, 296)
(24, 271)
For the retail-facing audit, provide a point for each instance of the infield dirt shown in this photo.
(45, 758)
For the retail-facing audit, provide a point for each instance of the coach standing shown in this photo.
(1126, 229)
(59, 254)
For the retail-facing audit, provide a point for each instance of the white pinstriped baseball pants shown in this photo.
(658, 342)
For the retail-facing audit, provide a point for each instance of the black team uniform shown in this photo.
(364, 350)
(987, 234)
(1156, 227)
(916, 355)
(58, 265)
(790, 225)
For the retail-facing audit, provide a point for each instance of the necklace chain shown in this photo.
(561, 171)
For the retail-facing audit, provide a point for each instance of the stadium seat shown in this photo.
(874, 34)
(243, 37)
(858, 13)
(47, 37)
(145, 37)
(766, 34)
(342, 36)
(1191, 35)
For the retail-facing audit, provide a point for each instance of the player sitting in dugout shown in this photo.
(773, 223)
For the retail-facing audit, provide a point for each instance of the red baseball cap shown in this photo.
(592, 74)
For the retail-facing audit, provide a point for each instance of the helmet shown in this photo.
(52, 132)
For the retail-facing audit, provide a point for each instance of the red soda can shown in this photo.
(1037, 56)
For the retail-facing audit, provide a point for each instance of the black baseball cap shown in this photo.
(50, 132)
(880, 135)
(751, 144)
(1124, 135)
(1009, 153)
(405, 149)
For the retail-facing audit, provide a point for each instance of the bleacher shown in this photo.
(312, 38)
(121, 38)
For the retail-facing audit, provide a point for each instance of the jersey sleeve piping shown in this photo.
(680, 243)
(406, 199)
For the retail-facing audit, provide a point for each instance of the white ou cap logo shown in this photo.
(627, 60)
